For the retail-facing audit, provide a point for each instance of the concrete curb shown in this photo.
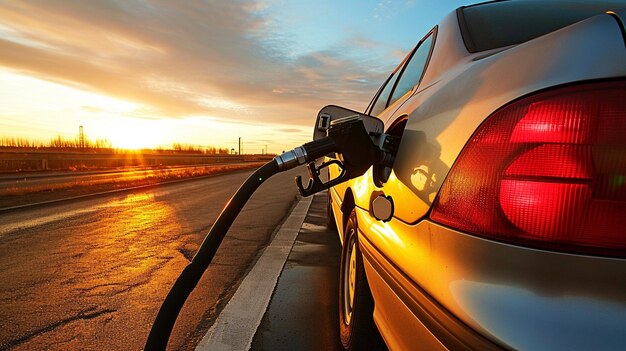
(236, 326)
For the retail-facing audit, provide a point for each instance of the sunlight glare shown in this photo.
(134, 133)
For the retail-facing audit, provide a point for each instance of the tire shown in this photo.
(356, 305)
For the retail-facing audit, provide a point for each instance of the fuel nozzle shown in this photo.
(353, 149)
(358, 149)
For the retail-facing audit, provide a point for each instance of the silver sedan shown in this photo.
(502, 223)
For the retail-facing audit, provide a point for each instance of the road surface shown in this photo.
(92, 274)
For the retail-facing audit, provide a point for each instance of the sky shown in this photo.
(147, 73)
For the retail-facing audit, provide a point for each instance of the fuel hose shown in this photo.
(190, 276)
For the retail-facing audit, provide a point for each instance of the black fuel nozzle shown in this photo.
(357, 148)
(353, 149)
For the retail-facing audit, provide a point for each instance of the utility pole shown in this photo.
(239, 145)
(81, 137)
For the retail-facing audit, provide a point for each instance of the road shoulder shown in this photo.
(303, 312)
(235, 326)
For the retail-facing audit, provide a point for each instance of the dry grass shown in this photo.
(137, 179)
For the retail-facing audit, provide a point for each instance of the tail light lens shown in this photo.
(546, 171)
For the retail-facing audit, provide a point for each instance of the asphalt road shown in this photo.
(92, 274)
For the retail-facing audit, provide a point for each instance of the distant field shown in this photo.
(49, 188)
(52, 175)
(16, 160)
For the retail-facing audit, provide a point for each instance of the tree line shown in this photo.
(61, 143)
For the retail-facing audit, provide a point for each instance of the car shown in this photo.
(502, 222)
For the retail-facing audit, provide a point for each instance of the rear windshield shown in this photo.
(498, 24)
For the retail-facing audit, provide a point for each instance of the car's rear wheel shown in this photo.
(356, 306)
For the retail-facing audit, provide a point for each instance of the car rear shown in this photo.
(530, 221)
(524, 245)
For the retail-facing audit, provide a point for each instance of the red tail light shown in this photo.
(546, 171)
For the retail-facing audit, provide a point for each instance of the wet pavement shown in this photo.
(303, 312)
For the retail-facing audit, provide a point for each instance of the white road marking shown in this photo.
(235, 327)
(20, 225)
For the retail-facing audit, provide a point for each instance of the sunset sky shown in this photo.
(143, 73)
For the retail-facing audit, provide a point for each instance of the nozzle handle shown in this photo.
(319, 148)
(315, 183)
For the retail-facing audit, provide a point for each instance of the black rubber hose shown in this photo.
(190, 276)
(318, 148)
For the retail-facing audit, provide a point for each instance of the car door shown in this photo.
(377, 107)
(387, 107)
(406, 190)
(389, 245)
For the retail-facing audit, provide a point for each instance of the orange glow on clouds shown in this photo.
(50, 109)
(144, 74)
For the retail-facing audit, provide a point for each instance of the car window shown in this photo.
(498, 24)
(412, 72)
(381, 102)
(409, 74)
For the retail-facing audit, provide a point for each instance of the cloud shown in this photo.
(363, 42)
(397, 54)
(181, 58)
(91, 109)
(289, 130)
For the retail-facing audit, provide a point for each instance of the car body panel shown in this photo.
(399, 300)
(501, 289)
(519, 296)
(620, 16)
(528, 299)
(335, 202)
(398, 325)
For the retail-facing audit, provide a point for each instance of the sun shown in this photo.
(133, 133)
(129, 140)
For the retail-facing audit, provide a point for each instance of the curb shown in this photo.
(236, 325)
